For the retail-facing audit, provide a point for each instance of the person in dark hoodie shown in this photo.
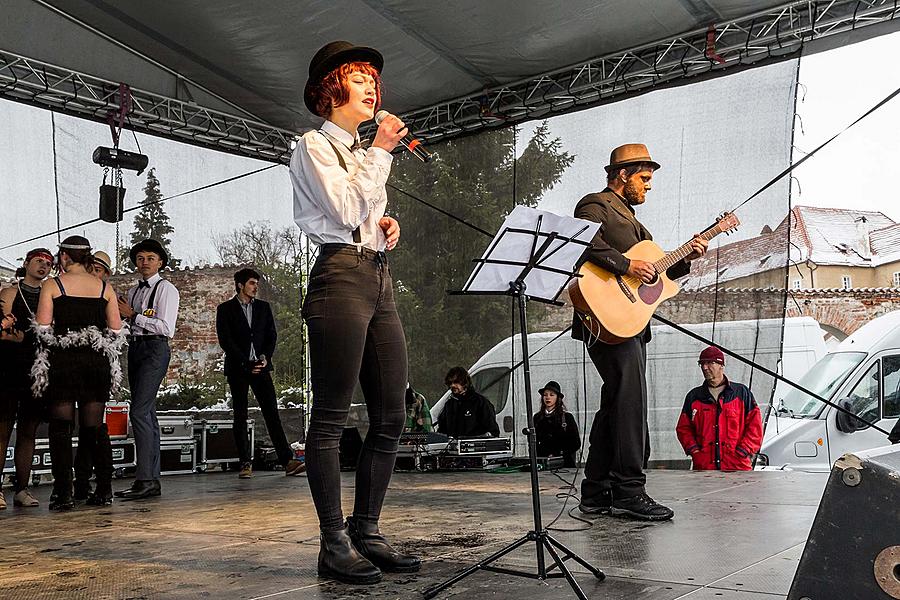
(466, 414)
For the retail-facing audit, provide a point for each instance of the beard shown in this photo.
(633, 193)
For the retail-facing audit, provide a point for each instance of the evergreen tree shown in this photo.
(150, 222)
(480, 179)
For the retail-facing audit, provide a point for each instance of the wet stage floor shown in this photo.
(735, 535)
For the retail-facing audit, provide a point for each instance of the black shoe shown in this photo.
(596, 505)
(98, 499)
(641, 507)
(121, 493)
(62, 503)
(142, 490)
(339, 560)
(82, 490)
(371, 544)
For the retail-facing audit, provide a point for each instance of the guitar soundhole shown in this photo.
(650, 292)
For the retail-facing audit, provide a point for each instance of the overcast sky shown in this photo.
(717, 140)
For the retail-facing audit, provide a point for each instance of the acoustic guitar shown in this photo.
(615, 308)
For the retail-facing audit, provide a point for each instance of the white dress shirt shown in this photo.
(329, 202)
(165, 307)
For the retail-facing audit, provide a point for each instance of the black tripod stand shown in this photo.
(543, 541)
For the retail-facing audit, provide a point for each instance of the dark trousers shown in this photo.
(620, 441)
(354, 335)
(148, 361)
(264, 391)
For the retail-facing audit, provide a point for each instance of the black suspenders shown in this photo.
(357, 238)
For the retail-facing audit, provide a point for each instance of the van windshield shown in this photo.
(823, 378)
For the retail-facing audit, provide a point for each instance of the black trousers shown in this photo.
(264, 391)
(355, 335)
(620, 439)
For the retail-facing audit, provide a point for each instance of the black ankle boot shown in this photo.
(60, 434)
(339, 560)
(371, 544)
(103, 465)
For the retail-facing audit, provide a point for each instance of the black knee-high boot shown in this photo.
(60, 434)
(84, 462)
(103, 466)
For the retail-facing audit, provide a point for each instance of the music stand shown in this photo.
(539, 252)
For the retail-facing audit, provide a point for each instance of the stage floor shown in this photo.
(735, 535)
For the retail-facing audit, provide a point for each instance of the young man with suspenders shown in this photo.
(151, 308)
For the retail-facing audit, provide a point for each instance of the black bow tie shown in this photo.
(143, 284)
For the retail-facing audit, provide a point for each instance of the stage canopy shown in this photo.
(229, 74)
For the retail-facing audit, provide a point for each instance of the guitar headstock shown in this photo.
(727, 223)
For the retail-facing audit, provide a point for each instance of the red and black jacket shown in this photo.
(720, 433)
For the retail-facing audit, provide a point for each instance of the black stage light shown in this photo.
(112, 203)
(120, 159)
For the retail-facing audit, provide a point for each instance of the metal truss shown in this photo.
(773, 33)
(769, 34)
(61, 89)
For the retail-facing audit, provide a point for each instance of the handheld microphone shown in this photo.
(408, 141)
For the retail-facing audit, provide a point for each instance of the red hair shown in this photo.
(333, 91)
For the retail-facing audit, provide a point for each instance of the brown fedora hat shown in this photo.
(629, 154)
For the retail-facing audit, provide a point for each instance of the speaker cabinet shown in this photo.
(112, 199)
(853, 550)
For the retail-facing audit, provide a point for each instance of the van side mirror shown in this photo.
(845, 422)
(507, 424)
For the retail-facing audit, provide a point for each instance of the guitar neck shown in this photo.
(679, 253)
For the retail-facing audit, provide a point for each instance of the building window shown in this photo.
(845, 282)
(895, 281)
(798, 284)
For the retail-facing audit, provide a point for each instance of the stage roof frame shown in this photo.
(207, 110)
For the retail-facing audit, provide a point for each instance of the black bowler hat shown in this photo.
(332, 55)
(149, 245)
(552, 386)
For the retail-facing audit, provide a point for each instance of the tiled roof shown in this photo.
(825, 236)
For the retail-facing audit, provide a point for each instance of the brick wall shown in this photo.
(195, 349)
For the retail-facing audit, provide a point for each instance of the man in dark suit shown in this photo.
(614, 479)
(246, 330)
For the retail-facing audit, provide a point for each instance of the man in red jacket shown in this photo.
(720, 425)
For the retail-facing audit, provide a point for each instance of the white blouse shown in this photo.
(329, 202)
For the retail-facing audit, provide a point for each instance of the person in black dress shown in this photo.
(17, 405)
(555, 427)
(77, 364)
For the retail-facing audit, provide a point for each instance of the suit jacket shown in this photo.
(235, 334)
(619, 231)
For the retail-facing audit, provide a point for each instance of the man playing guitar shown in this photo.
(614, 476)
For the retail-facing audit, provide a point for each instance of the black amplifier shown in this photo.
(472, 446)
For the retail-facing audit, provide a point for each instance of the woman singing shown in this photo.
(355, 333)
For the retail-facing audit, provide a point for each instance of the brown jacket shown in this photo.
(619, 231)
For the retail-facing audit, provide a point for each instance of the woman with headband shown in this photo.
(77, 364)
(17, 345)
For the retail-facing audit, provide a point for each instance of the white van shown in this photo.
(863, 375)
(671, 372)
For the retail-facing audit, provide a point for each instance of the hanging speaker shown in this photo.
(853, 550)
(112, 202)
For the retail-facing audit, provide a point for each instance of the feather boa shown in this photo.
(109, 343)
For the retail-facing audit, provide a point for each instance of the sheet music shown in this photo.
(517, 247)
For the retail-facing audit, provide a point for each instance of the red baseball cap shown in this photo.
(712, 354)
